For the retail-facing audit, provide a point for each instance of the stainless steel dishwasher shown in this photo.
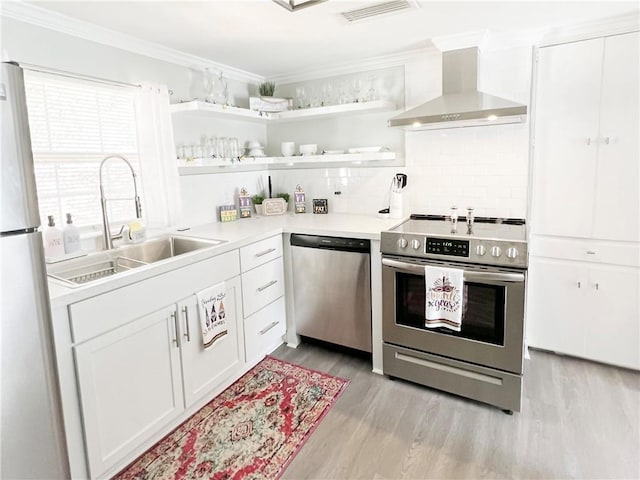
(332, 289)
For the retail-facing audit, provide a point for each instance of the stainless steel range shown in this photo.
(484, 361)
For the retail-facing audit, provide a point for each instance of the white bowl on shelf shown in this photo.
(288, 149)
(309, 149)
(256, 152)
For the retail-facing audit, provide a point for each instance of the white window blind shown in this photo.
(74, 125)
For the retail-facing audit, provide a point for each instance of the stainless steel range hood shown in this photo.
(461, 104)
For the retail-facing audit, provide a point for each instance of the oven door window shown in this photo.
(482, 311)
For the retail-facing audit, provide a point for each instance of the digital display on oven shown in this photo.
(441, 246)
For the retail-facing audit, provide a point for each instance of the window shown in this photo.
(74, 125)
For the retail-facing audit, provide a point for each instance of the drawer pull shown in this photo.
(269, 327)
(590, 252)
(264, 287)
(187, 334)
(176, 340)
(262, 254)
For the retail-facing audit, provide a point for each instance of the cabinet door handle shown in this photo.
(264, 287)
(597, 286)
(579, 284)
(187, 334)
(176, 339)
(269, 327)
(265, 252)
(590, 252)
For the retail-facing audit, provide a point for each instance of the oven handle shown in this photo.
(468, 276)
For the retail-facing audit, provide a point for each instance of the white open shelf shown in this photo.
(216, 110)
(202, 166)
(220, 111)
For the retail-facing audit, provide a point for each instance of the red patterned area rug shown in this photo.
(252, 430)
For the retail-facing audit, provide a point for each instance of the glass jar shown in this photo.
(219, 89)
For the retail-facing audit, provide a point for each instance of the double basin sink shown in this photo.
(100, 265)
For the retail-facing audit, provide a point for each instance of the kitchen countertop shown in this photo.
(235, 235)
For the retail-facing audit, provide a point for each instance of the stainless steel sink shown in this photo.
(87, 269)
(100, 265)
(163, 248)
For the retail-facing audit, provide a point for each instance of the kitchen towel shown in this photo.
(213, 320)
(443, 297)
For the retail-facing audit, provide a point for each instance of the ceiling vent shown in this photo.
(378, 9)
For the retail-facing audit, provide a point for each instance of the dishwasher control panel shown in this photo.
(331, 243)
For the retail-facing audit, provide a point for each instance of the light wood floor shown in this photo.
(579, 420)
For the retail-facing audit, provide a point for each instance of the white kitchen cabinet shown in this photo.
(582, 293)
(205, 368)
(584, 309)
(613, 330)
(263, 297)
(585, 148)
(139, 371)
(617, 199)
(130, 386)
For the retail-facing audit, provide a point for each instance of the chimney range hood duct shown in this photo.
(461, 104)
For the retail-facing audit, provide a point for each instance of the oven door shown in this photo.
(492, 321)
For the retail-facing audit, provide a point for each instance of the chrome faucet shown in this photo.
(108, 237)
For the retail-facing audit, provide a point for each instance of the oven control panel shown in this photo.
(442, 246)
(473, 250)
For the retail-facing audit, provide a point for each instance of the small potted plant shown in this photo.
(267, 88)
(257, 203)
(266, 102)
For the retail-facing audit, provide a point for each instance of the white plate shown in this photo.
(333, 152)
(365, 150)
(256, 153)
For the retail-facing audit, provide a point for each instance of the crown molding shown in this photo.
(615, 25)
(41, 17)
(346, 68)
(464, 40)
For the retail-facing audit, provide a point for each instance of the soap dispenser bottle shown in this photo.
(53, 241)
(71, 236)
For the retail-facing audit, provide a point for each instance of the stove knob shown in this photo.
(481, 250)
(402, 243)
(512, 253)
(496, 251)
(415, 244)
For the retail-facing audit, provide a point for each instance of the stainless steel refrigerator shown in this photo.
(32, 440)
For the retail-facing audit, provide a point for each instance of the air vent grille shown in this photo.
(378, 9)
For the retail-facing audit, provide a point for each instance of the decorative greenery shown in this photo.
(267, 88)
(284, 196)
(257, 199)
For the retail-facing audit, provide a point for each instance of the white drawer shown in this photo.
(264, 330)
(595, 251)
(262, 285)
(260, 252)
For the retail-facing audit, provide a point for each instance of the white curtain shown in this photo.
(158, 166)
